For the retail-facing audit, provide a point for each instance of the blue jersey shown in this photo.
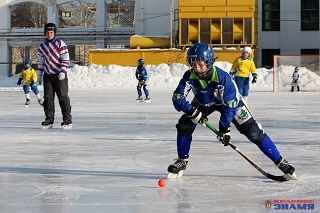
(295, 76)
(141, 74)
(220, 89)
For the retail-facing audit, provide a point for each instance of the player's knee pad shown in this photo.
(254, 133)
(185, 126)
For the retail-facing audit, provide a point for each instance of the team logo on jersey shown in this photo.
(243, 113)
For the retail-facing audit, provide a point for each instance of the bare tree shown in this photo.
(79, 14)
(28, 15)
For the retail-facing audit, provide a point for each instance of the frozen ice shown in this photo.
(118, 149)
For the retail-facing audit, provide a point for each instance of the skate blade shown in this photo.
(26, 106)
(147, 101)
(291, 177)
(50, 126)
(67, 126)
(174, 175)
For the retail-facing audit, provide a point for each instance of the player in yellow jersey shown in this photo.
(30, 78)
(241, 69)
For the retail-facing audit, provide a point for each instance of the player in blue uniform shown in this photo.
(295, 80)
(142, 77)
(215, 90)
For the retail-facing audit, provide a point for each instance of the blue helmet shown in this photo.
(28, 61)
(201, 52)
(141, 61)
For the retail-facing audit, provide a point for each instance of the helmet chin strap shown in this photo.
(202, 75)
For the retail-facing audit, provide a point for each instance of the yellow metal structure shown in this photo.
(143, 42)
(129, 57)
(226, 24)
(220, 23)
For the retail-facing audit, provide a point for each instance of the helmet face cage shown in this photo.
(296, 69)
(201, 52)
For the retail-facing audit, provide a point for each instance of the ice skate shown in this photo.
(176, 170)
(47, 124)
(139, 99)
(40, 101)
(287, 169)
(147, 99)
(66, 124)
(27, 102)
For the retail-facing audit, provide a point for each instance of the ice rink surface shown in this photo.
(118, 149)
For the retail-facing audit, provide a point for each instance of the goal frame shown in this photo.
(296, 64)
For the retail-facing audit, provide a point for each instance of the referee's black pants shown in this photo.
(51, 86)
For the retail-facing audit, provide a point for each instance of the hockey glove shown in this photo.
(254, 80)
(32, 83)
(19, 82)
(198, 117)
(62, 75)
(142, 83)
(232, 73)
(224, 136)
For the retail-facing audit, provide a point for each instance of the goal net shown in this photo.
(309, 70)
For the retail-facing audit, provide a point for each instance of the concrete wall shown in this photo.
(290, 39)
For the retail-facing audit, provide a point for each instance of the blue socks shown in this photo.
(269, 149)
(183, 144)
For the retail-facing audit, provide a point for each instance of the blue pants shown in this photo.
(243, 85)
(34, 88)
(142, 84)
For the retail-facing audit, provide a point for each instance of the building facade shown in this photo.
(99, 35)
(287, 27)
(284, 26)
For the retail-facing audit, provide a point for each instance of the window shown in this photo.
(271, 15)
(267, 57)
(309, 15)
(309, 51)
(66, 15)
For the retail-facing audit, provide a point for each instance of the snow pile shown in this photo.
(164, 76)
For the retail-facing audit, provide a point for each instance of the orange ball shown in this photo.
(162, 183)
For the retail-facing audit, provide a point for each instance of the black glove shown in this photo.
(198, 117)
(141, 83)
(19, 82)
(224, 136)
(32, 83)
(254, 80)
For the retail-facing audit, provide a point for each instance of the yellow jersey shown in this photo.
(29, 75)
(243, 67)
